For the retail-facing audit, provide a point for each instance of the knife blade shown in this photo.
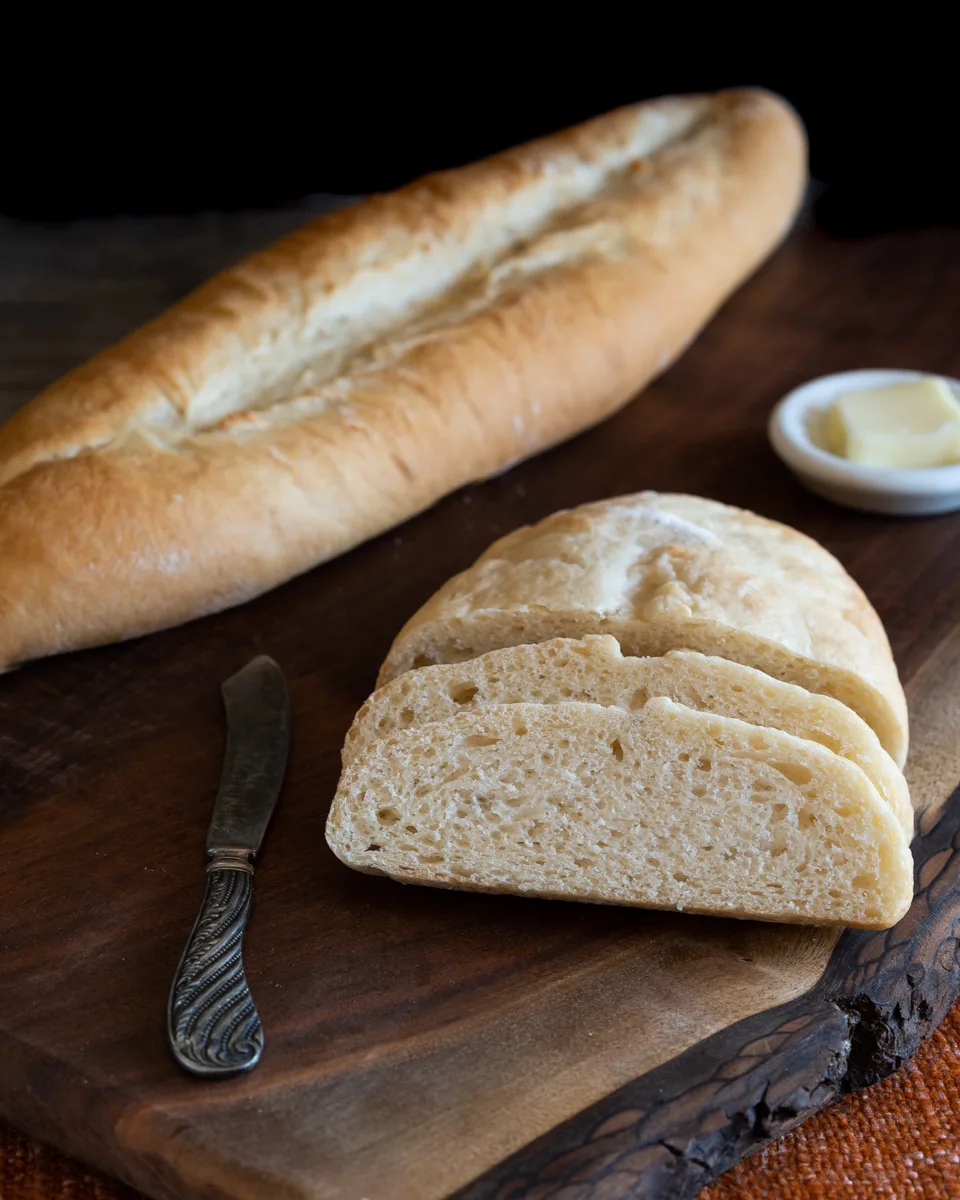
(258, 742)
(213, 1026)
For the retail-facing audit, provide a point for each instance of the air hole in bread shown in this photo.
(617, 749)
(431, 858)
(680, 877)
(479, 739)
(410, 829)
(806, 818)
(684, 757)
(796, 772)
(406, 717)
(374, 846)
(388, 816)
(864, 882)
(778, 812)
(463, 693)
(699, 791)
(704, 764)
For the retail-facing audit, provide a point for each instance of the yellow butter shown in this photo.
(910, 424)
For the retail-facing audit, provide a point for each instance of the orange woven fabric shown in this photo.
(899, 1140)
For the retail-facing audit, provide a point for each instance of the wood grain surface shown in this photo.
(420, 1043)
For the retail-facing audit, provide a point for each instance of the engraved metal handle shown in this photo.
(212, 1022)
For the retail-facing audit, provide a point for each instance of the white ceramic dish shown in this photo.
(899, 491)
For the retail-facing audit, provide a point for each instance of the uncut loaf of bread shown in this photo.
(346, 378)
(593, 670)
(665, 572)
(663, 807)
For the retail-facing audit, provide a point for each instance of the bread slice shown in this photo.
(671, 572)
(594, 670)
(660, 808)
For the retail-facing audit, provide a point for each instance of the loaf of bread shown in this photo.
(335, 384)
(662, 807)
(666, 572)
(595, 671)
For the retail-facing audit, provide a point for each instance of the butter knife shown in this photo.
(212, 1022)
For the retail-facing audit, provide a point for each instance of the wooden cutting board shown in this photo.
(422, 1044)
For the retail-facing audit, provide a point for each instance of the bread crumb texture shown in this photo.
(660, 808)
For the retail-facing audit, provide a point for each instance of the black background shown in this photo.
(171, 120)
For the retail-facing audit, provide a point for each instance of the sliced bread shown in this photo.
(594, 670)
(662, 808)
(671, 572)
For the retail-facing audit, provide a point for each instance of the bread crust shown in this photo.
(663, 572)
(292, 407)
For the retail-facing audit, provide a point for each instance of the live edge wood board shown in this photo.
(424, 1044)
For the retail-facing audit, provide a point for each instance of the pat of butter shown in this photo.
(911, 424)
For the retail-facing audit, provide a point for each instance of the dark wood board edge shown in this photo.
(670, 1132)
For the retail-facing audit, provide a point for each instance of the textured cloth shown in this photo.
(899, 1140)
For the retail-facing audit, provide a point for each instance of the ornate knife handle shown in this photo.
(212, 1022)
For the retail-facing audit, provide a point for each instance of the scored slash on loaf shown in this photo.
(346, 378)
(564, 768)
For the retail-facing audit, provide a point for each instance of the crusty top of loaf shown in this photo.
(650, 559)
(294, 405)
(283, 333)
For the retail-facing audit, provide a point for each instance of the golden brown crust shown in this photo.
(291, 407)
(665, 572)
